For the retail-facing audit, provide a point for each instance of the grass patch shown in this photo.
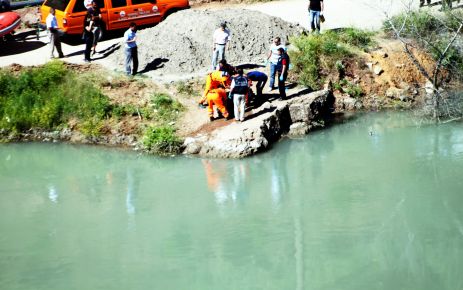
(47, 97)
(318, 56)
(166, 109)
(162, 140)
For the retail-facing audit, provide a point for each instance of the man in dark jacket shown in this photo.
(88, 34)
(283, 65)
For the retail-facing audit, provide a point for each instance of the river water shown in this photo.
(373, 203)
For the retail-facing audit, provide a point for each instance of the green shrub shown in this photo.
(356, 38)
(162, 140)
(47, 97)
(167, 109)
(318, 55)
(92, 127)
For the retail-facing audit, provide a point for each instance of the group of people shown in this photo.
(229, 88)
(91, 33)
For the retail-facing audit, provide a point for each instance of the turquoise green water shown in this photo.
(340, 209)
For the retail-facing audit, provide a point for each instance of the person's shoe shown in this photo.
(87, 60)
(211, 119)
(61, 56)
(269, 90)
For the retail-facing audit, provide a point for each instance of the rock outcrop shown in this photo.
(266, 125)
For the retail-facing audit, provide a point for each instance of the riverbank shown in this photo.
(350, 69)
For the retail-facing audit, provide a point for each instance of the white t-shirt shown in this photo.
(274, 48)
(51, 21)
(88, 3)
(221, 37)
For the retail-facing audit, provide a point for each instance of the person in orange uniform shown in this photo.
(215, 94)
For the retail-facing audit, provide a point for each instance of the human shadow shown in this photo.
(11, 48)
(103, 53)
(157, 63)
(248, 66)
(108, 51)
(261, 112)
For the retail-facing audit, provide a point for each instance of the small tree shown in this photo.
(441, 36)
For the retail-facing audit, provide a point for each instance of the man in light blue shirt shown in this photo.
(131, 53)
(52, 26)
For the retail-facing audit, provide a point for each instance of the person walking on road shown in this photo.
(131, 50)
(55, 41)
(273, 59)
(261, 79)
(88, 34)
(283, 65)
(315, 11)
(221, 38)
(239, 89)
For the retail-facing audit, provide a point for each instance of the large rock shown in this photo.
(267, 126)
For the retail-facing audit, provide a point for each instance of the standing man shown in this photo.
(131, 53)
(239, 89)
(55, 41)
(273, 58)
(283, 65)
(221, 38)
(261, 79)
(88, 34)
(96, 25)
(315, 10)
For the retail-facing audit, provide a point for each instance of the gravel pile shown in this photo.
(182, 44)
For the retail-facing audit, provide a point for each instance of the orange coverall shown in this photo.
(214, 94)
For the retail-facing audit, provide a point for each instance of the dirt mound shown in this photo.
(182, 44)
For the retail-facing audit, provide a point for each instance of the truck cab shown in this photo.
(116, 14)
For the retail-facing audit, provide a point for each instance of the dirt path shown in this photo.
(339, 13)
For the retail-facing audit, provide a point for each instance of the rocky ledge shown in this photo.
(265, 125)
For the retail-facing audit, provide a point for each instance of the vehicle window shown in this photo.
(58, 4)
(100, 3)
(135, 2)
(118, 3)
(79, 6)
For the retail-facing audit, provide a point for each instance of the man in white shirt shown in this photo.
(131, 49)
(52, 26)
(273, 57)
(220, 39)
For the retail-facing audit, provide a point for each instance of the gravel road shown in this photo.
(366, 14)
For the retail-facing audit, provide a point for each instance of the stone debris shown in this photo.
(182, 44)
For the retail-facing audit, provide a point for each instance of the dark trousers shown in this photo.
(260, 86)
(88, 44)
(131, 55)
(282, 85)
(55, 42)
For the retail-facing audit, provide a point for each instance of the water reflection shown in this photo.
(227, 180)
(52, 193)
(130, 193)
